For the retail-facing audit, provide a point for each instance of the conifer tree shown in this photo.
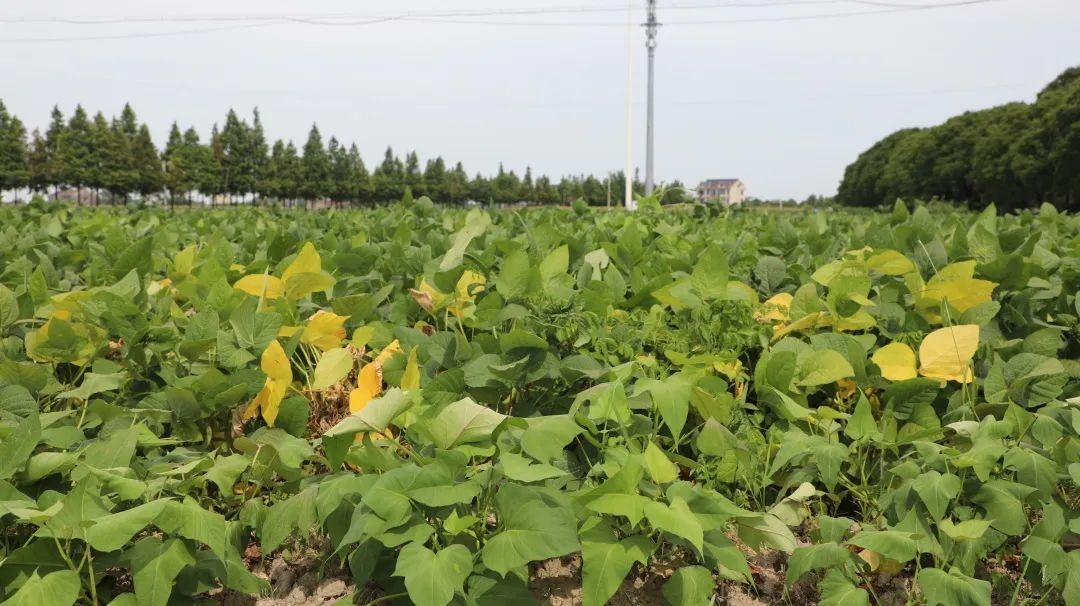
(13, 169)
(76, 152)
(362, 190)
(37, 163)
(146, 164)
(315, 167)
(54, 166)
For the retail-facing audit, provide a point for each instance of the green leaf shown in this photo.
(765, 530)
(59, 588)
(940, 588)
(376, 416)
(462, 422)
(515, 275)
(606, 562)
(334, 365)
(937, 491)
(94, 383)
(968, 530)
(1004, 510)
(821, 367)
(676, 519)
(547, 436)
(710, 274)
(892, 544)
(533, 526)
(837, 590)
(155, 565)
(816, 557)
(432, 578)
(661, 469)
(9, 307)
(476, 222)
(115, 530)
(254, 329)
(16, 448)
(689, 586)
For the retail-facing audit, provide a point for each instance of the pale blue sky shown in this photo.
(784, 105)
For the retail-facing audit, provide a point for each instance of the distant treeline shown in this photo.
(1017, 155)
(117, 157)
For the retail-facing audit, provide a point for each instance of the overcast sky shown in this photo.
(783, 105)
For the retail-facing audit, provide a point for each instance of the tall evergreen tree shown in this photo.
(54, 135)
(13, 169)
(257, 156)
(37, 163)
(76, 151)
(436, 180)
(414, 179)
(361, 185)
(146, 164)
(340, 187)
(389, 178)
(315, 167)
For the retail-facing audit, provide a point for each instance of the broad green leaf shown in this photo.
(462, 422)
(59, 588)
(837, 590)
(661, 469)
(821, 367)
(432, 578)
(968, 530)
(155, 565)
(710, 274)
(334, 365)
(532, 526)
(690, 586)
(892, 544)
(606, 562)
(940, 588)
(816, 557)
(676, 519)
(937, 491)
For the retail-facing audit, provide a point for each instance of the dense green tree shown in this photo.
(340, 188)
(1015, 155)
(362, 189)
(413, 178)
(13, 156)
(389, 178)
(54, 168)
(436, 179)
(146, 164)
(314, 168)
(76, 152)
(37, 163)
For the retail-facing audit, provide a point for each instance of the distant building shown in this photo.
(728, 191)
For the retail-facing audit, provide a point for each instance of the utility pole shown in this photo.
(629, 190)
(650, 44)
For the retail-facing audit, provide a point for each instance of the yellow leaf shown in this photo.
(306, 262)
(961, 293)
(946, 353)
(324, 330)
(275, 364)
(259, 285)
(427, 296)
(288, 331)
(410, 379)
(389, 351)
(897, 362)
(368, 385)
(775, 309)
(890, 263)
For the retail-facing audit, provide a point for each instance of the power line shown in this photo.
(469, 18)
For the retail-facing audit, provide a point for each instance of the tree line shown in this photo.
(1017, 155)
(116, 158)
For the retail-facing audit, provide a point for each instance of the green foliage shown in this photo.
(1016, 156)
(442, 399)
